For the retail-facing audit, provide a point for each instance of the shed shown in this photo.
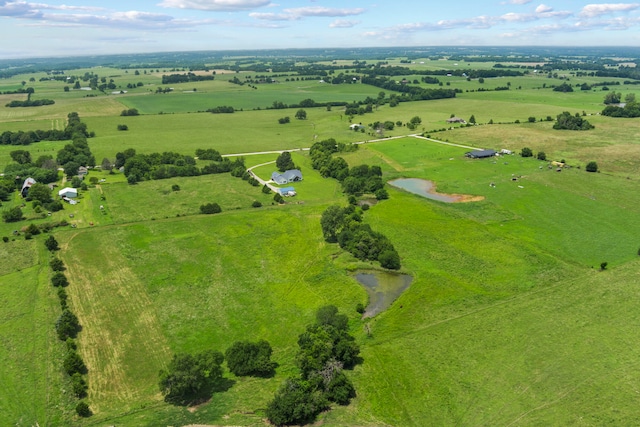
(287, 191)
(456, 120)
(68, 192)
(356, 126)
(480, 154)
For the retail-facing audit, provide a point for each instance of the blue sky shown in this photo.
(86, 27)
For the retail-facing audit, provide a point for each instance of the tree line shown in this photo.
(185, 78)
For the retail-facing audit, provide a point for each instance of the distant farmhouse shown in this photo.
(26, 186)
(456, 120)
(292, 175)
(480, 154)
(356, 126)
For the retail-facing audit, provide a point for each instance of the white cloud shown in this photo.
(215, 5)
(294, 14)
(543, 8)
(517, 2)
(342, 23)
(593, 10)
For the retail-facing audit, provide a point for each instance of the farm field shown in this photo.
(511, 318)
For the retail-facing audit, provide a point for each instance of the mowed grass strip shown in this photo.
(121, 342)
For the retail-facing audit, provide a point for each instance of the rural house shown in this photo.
(292, 175)
(456, 120)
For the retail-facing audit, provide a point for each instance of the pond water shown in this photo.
(383, 289)
(424, 188)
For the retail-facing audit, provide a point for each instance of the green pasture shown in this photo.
(190, 283)
(509, 320)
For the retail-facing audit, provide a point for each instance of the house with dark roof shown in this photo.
(480, 154)
(456, 120)
(292, 175)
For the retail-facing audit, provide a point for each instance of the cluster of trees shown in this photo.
(210, 208)
(411, 93)
(566, 121)
(67, 329)
(356, 180)
(221, 109)
(630, 109)
(192, 378)
(326, 349)
(78, 153)
(138, 167)
(30, 103)
(130, 112)
(29, 137)
(40, 195)
(185, 78)
(564, 87)
(344, 226)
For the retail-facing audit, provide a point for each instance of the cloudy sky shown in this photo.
(85, 27)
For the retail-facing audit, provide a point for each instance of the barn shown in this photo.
(480, 154)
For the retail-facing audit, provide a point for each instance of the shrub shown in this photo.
(79, 385)
(246, 358)
(59, 280)
(256, 204)
(531, 119)
(266, 189)
(389, 259)
(12, 215)
(541, 155)
(526, 152)
(123, 127)
(56, 264)
(592, 167)
(603, 266)
(67, 325)
(278, 198)
(175, 187)
(73, 364)
(51, 243)
(360, 308)
(82, 409)
(210, 208)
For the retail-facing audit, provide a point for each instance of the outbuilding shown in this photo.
(480, 154)
(287, 191)
(26, 186)
(68, 192)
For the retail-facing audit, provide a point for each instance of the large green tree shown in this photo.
(191, 378)
(40, 192)
(284, 162)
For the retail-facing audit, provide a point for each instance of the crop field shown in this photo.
(510, 318)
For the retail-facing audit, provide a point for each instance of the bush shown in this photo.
(175, 187)
(73, 364)
(56, 264)
(266, 189)
(246, 358)
(67, 325)
(191, 378)
(59, 280)
(51, 243)
(531, 119)
(123, 127)
(541, 155)
(526, 152)
(256, 204)
(82, 409)
(389, 259)
(79, 385)
(360, 308)
(210, 208)
(278, 198)
(296, 402)
(12, 215)
(592, 167)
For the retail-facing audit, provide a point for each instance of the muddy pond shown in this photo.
(383, 289)
(426, 188)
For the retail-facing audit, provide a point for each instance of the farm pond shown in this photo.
(383, 289)
(426, 188)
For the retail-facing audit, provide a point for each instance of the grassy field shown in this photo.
(508, 321)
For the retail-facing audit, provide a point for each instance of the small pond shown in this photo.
(383, 289)
(425, 188)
